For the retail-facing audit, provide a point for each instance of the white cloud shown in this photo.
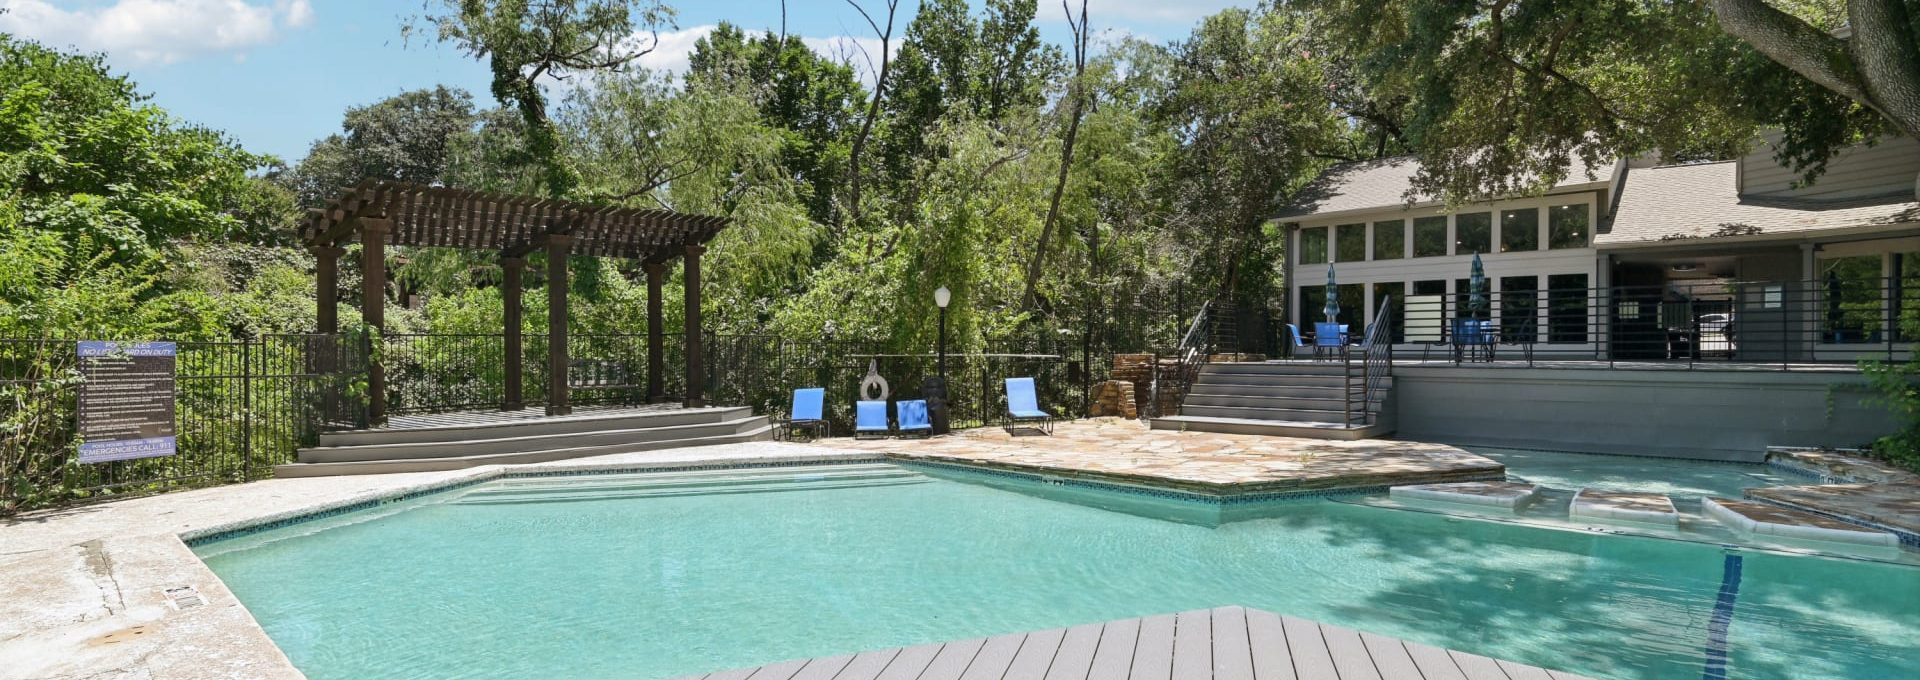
(675, 50)
(156, 31)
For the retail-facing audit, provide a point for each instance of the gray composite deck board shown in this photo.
(1224, 643)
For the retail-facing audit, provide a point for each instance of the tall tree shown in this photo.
(526, 41)
(1076, 103)
(1504, 96)
(407, 137)
(873, 106)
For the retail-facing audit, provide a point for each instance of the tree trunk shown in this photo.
(1078, 92)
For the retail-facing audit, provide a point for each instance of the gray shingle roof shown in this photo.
(1684, 202)
(1383, 183)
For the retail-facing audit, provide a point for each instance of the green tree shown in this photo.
(407, 137)
(525, 41)
(1503, 96)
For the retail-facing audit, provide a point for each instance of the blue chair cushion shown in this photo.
(913, 414)
(870, 416)
(1294, 333)
(809, 404)
(1022, 402)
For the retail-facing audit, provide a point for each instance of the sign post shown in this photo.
(126, 402)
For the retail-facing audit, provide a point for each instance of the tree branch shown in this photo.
(1792, 43)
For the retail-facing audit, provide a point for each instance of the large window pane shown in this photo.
(1906, 305)
(1567, 297)
(1519, 230)
(1519, 315)
(1567, 226)
(1313, 246)
(1434, 287)
(1353, 308)
(1473, 234)
(1312, 300)
(1430, 236)
(1390, 240)
(1350, 243)
(1852, 307)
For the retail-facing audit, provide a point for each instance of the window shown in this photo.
(1519, 230)
(1430, 236)
(1395, 294)
(1389, 240)
(1312, 300)
(1353, 308)
(1906, 304)
(1519, 313)
(1567, 226)
(1567, 308)
(1473, 234)
(1850, 299)
(1435, 287)
(1313, 246)
(1350, 243)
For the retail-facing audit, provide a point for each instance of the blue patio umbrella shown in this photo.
(1477, 286)
(1332, 309)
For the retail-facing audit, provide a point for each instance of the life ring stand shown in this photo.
(874, 382)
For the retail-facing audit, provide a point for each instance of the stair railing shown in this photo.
(1192, 353)
(1369, 380)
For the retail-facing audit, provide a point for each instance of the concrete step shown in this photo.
(610, 440)
(1278, 368)
(1279, 414)
(1335, 392)
(1272, 428)
(1271, 380)
(762, 431)
(535, 426)
(1328, 402)
(600, 487)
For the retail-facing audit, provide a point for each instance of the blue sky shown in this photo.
(277, 74)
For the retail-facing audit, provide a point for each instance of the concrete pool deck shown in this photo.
(1226, 465)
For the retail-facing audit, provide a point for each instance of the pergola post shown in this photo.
(373, 308)
(559, 246)
(656, 332)
(696, 370)
(326, 281)
(513, 268)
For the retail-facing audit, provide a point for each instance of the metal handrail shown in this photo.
(1192, 353)
(1376, 367)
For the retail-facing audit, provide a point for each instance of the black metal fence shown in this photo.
(241, 408)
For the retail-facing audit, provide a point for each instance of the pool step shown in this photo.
(1624, 506)
(699, 482)
(1509, 496)
(1777, 522)
(1308, 429)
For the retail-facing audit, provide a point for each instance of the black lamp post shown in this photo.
(942, 296)
(935, 388)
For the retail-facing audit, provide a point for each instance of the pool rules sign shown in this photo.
(126, 400)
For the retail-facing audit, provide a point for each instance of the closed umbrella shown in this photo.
(1332, 309)
(1477, 301)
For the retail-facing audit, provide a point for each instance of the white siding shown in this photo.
(1886, 168)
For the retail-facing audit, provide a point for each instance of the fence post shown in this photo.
(246, 406)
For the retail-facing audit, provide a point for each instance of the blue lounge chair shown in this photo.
(1023, 404)
(809, 412)
(913, 417)
(1328, 339)
(870, 420)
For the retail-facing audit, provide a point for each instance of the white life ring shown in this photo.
(873, 382)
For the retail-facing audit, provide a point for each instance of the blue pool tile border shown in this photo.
(301, 518)
(1907, 538)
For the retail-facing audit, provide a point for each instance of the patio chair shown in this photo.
(1293, 336)
(1473, 340)
(870, 420)
(1329, 339)
(913, 417)
(1023, 404)
(809, 413)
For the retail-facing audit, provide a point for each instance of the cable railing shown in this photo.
(1172, 382)
(1374, 372)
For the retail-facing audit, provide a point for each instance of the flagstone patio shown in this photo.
(1127, 452)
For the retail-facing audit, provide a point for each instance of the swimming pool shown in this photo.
(624, 576)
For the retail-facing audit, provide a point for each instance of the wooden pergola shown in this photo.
(383, 213)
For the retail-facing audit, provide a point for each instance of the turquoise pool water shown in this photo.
(626, 582)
